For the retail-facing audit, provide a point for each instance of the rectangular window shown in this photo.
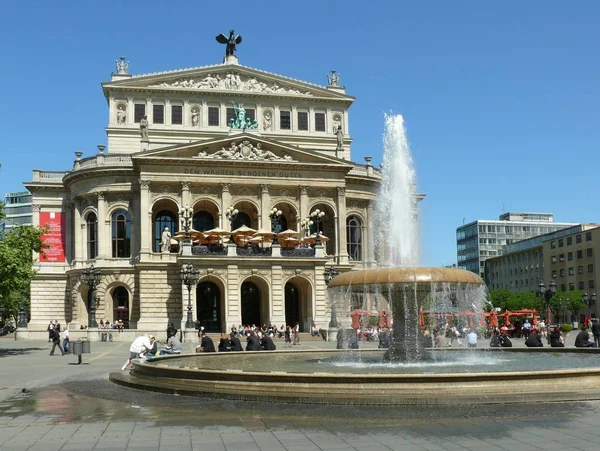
(177, 114)
(563, 287)
(139, 112)
(571, 271)
(561, 242)
(562, 273)
(302, 120)
(561, 258)
(591, 284)
(491, 229)
(588, 236)
(570, 256)
(580, 270)
(213, 116)
(591, 267)
(320, 122)
(285, 122)
(578, 239)
(569, 240)
(230, 116)
(571, 286)
(589, 252)
(158, 114)
(552, 244)
(251, 114)
(581, 284)
(579, 253)
(554, 259)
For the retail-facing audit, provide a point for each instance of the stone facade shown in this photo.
(113, 206)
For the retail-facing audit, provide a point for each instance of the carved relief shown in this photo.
(144, 183)
(231, 82)
(225, 187)
(357, 204)
(205, 190)
(254, 272)
(121, 114)
(264, 188)
(341, 190)
(245, 151)
(267, 121)
(185, 186)
(117, 199)
(36, 207)
(303, 189)
(244, 191)
(321, 194)
(165, 189)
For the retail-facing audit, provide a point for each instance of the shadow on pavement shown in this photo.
(13, 352)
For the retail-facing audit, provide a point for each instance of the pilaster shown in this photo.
(265, 207)
(225, 203)
(370, 235)
(78, 225)
(342, 242)
(103, 228)
(277, 313)
(232, 309)
(303, 203)
(145, 217)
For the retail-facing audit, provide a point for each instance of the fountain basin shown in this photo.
(220, 375)
(384, 276)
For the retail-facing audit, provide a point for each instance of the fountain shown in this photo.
(409, 372)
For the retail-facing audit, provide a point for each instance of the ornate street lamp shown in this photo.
(329, 274)
(22, 319)
(231, 213)
(186, 215)
(189, 277)
(317, 217)
(589, 301)
(305, 225)
(275, 216)
(546, 294)
(91, 277)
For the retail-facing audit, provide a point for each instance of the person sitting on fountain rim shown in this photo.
(235, 341)
(583, 339)
(556, 340)
(206, 343)
(534, 340)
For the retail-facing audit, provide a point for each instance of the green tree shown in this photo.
(501, 298)
(16, 266)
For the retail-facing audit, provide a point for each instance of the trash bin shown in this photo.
(77, 347)
(86, 347)
(104, 336)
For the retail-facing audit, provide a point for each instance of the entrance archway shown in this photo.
(120, 297)
(250, 304)
(208, 306)
(292, 304)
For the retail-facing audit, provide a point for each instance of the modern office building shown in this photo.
(204, 142)
(479, 240)
(568, 256)
(18, 210)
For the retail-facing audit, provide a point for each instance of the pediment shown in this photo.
(228, 78)
(241, 148)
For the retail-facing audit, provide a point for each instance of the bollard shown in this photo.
(78, 350)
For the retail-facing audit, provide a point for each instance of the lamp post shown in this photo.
(186, 215)
(546, 294)
(275, 216)
(189, 276)
(22, 319)
(317, 217)
(305, 225)
(91, 277)
(329, 274)
(231, 213)
(589, 300)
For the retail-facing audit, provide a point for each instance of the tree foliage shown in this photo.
(507, 300)
(16, 266)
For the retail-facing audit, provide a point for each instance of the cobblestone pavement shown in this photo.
(74, 407)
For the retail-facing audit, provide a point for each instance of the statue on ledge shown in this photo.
(144, 128)
(230, 43)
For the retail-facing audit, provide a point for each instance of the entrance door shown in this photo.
(292, 304)
(208, 306)
(250, 304)
(120, 298)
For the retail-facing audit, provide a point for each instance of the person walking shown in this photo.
(66, 340)
(297, 334)
(140, 345)
(596, 331)
(288, 336)
(56, 342)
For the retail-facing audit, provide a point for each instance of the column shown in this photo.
(341, 226)
(294, 114)
(225, 204)
(79, 226)
(303, 208)
(311, 119)
(370, 235)
(103, 228)
(265, 199)
(145, 218)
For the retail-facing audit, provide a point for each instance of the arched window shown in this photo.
(242, 219)
(163, 219)
(203, 221)
(121, 234)
(354, 237)
(92, 235)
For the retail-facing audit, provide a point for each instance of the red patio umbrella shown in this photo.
(493, 319)
(381, 323)
(421, 318)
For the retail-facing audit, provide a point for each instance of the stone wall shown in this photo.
(160, 296)
(49, 296)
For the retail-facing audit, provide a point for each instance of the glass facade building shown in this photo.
(18, 209)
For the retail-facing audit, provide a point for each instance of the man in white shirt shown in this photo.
(472, 339)
(66, 340)
(140, 345)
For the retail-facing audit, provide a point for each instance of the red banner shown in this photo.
(54, 238)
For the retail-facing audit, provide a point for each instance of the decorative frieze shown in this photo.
(159, 190)
(246, 150)
(244, 191)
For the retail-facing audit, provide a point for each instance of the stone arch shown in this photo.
(165, 197)
(165, 213)
(355, 237)
(108, 307)
(117, 206)
(303, 309)
(207, 205)
(222, 308)
(289, 212)
(327, 227)
(263, 315)
(250, 207)
(104, 292)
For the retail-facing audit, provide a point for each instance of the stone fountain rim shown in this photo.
(383, 276)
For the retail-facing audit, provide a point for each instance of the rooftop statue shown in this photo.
(231, 42)
(241, 121)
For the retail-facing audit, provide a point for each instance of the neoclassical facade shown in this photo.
(173, 142)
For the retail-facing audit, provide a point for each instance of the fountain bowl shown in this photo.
(221, 375)
(384, 276)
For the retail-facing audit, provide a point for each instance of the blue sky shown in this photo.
(500, 98)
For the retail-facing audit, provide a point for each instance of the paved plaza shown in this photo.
(74, 407)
